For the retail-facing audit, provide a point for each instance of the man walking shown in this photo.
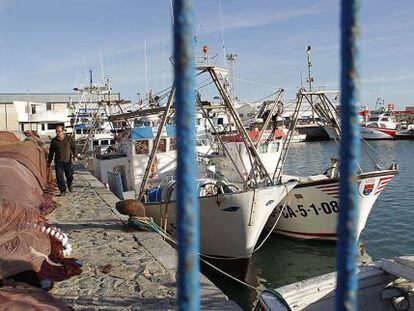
(63, 148)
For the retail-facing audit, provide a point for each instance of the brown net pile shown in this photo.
(30, 250)
(31, 156)
(22, 297)
(7, 136)
(18, 184)
(22, 246)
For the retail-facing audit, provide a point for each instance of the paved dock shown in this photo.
(121, 270)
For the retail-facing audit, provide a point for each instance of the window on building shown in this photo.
(43, 126)
(33, 109)
(96, 143)
(52, 126)
(78, 131)
(142, 147)
(48, 106)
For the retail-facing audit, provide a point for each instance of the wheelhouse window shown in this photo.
(162, 146)
(141, 147)
(48, 106)
(173, 144)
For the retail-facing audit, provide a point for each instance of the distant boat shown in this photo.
(380, 125)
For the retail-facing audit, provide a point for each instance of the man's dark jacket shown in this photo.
(64, 150)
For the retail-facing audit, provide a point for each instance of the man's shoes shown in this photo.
(70, 189)
(62, 194)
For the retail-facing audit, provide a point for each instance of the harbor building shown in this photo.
(42, 112)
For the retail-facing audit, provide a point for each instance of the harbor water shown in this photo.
(388, 232)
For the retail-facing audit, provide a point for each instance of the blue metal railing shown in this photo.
(187, 207)
(347, 282)
(187, 202)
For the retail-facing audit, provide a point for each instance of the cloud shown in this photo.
(263, 17)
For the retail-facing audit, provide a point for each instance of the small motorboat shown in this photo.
(382, 285)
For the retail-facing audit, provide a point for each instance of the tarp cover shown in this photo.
(20, 242)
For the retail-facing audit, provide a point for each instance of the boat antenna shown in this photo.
(163, 63)
(90, 77)
(102, 71)
(222, 35)
(172, 11)
(310, 79)
(146, 65)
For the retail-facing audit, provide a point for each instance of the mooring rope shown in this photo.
(149, 224)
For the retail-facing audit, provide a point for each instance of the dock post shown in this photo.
(347, 282)
(187, 199)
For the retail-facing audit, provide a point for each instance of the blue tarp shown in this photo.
(151, 132)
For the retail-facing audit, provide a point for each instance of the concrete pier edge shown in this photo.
(143, 276)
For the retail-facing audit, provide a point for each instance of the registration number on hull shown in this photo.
(324, 208)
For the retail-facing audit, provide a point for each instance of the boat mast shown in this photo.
(256, 162)
(310, 78)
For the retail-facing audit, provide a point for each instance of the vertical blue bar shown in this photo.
(187, 199)
(347, 282)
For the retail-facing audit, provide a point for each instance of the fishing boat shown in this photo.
(311, 209)
(231, 218)
(380, 125)
(232, 215)
(382, 285)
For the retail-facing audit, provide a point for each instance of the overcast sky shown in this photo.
(49, 45)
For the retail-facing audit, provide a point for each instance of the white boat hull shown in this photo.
(372, 133)
(311, 211)
(230, 224)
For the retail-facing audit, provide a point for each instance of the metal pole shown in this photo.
(347, 282)
(187, 199)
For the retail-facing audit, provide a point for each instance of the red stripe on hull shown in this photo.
(327, 187)
(310, 235)
(388, 132)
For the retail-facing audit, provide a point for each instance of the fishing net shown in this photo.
(18, 184)
(22, 297)
(31, 156)
(22, 246)
(8, 136)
